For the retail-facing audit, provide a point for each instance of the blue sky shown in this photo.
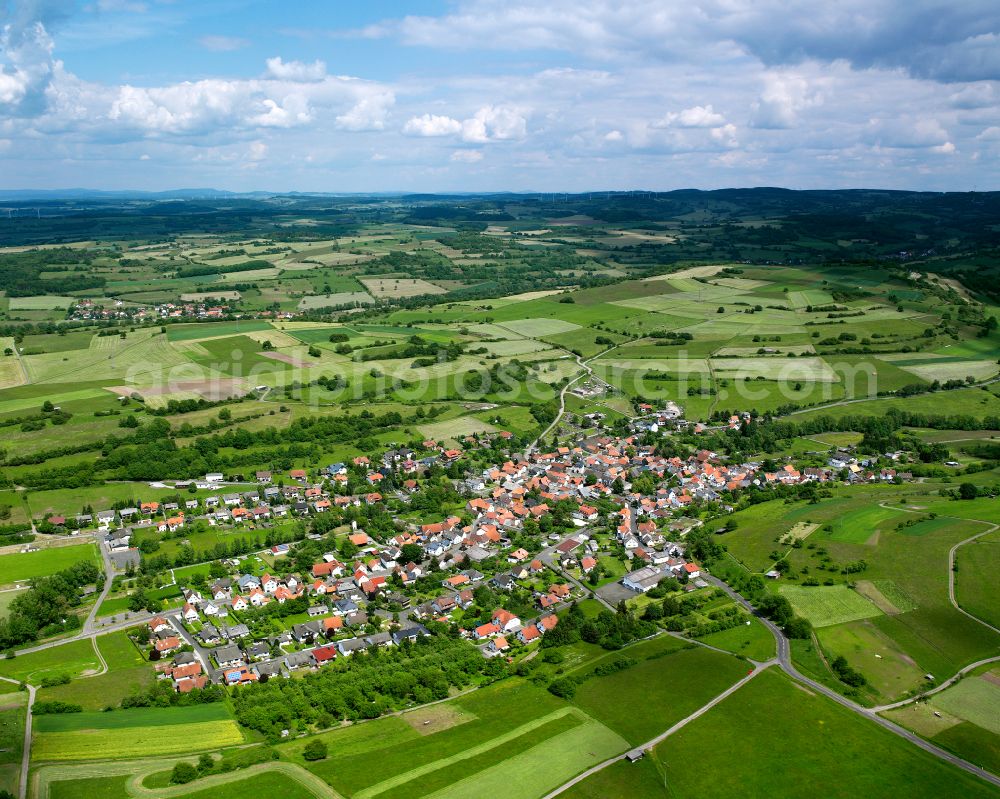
(471, 95)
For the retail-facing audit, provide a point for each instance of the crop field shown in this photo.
(972, 401)
(902, 567)
(454, 428)
(827, 605)
(134, 733)
(196, 332)
(886, 596)
(528, 774)
(25, 566)
(136, 717)
(956, 370)
(123, 779)
(12, 714)
(333, 300)
(399, 287)
(954, 733)
(534, 328)
(44, 302)
(515, 347)
(812, 369)
(95, 744)
(11, 373)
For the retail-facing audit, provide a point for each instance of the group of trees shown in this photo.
(609, 630)
(365, 685)
(162, 694)
(48, 606)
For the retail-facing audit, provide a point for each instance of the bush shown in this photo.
(315, 750)
(797, 627)
(54, 706)
(846, 673)
(564, 688)
(183, 773)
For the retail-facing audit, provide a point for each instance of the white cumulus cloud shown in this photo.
(432, 125)
(295, 70)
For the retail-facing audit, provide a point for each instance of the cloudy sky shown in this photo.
(468, 95)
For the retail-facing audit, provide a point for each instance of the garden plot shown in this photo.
(535, 328)
(395, 287)
(811, 369)
(824, 606)
(801, 531)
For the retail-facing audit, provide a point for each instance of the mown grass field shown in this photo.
(752, 641)
(115, 780)
(134, 717)
(466, 753)
(858, 525)
(962, 719)
(889, 670)
(127, 673)
(976, 580)
(27, 565)
(909, 619)
(975, 699)
(73, 659)
(663, 687)
(772, 738)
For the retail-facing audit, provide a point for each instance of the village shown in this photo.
(580, 502)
